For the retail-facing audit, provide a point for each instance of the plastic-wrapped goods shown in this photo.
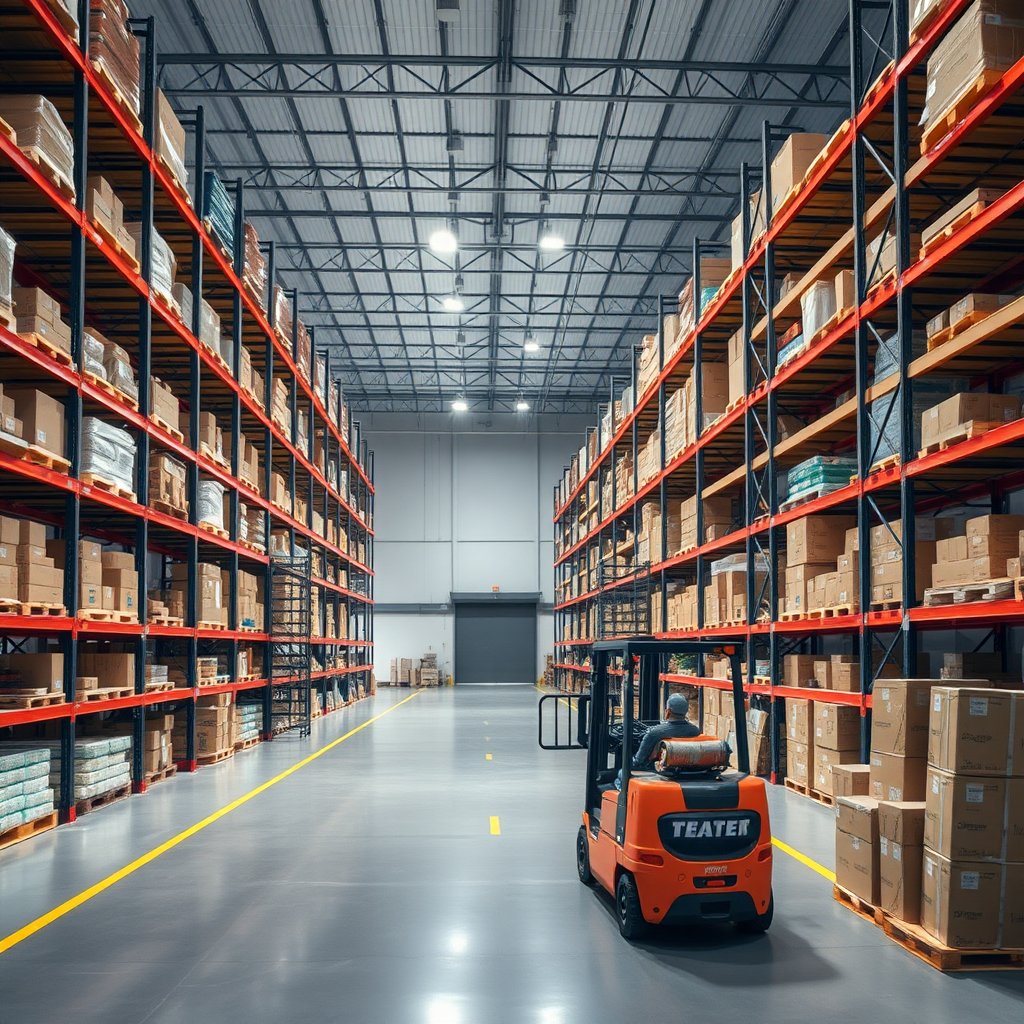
(117, 364)
(113, 48)
(108, 452)
(42, 132)
(334, 394)
(209, 326)
(164, 265)
(211, 503)
(170, 139)
(7, 247)
(302, 353)
(254, 267)
(988, 37)
(256, 531)
(321, 378)
(820, 474)
(219, 210)
(183, 297)
(282, 315)
(92, 354)
(817, 307)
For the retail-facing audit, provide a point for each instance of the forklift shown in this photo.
(688, 842)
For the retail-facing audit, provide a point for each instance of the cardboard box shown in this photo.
(819, 538)
(857, 866)
(837, 727)
(851, 780)
(858, 816)
(900, 714)
(118, 560)
(799, 714)
(36, 671)
(964, 816)
(798, 669)
(798, 762)
(963, 408)
(897, 778)
(970, 730)
(824, 761)
(792, 162)
(960, 901)
(90, 596)
(111, 668)
(43, 419)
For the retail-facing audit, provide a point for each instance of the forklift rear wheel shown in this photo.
(760, 924)
(627, 906)
(583, 857)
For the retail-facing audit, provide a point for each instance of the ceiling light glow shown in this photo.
(460, 406)
(443, 242)
(453, 303)
(522, 406)
(550, 241)
(530, 345)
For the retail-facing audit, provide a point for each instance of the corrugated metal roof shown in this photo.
(611, 184)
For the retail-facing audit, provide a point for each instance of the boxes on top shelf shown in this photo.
(170, 138)
(42, 135)
(792, 162)
(114, 49)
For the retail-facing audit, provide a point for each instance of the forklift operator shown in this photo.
(675, 726)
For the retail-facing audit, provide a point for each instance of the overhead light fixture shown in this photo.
(460, 405)
(522, 406)
(529, 345)
(447, 10)
(550, 240)
(443, 242)
(453, 303)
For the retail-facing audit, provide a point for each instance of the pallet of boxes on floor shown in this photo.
(930, 834)
(409, 672)
(26, 795)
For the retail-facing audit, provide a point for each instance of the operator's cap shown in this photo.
(678, 704)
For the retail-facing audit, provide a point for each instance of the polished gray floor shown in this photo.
(367, 888)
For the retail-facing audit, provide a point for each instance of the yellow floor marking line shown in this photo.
(495, 826)
(76, 901)
(804, 859)
(489, 758)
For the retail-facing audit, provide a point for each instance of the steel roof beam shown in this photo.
(483, 218)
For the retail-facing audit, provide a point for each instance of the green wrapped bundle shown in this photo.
(219, 210)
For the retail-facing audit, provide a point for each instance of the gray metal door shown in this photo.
(495, 642)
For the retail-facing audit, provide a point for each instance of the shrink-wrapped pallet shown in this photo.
(211, 503)
(118, 367)
(113, 48)
(282, 314)
(219, 210)
(170, 138)
(817, 307)
(167, 480)
(42, 133)
(7, 247)
(183, 297)
(108, 452)
(163, 264)
(254, 267)
(302, 350)
(92, 354)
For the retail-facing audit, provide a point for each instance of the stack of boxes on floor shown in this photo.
(248, 722)
(102, 765)
(25, 790)
(215, 728)
(27, 572)
(932, 830)
(424, 673)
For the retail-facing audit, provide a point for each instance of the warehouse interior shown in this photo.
(491, 494)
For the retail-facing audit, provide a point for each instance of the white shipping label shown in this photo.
(41, 436)
(978, 706)
(9, 424)
(883, 846)
(856, 843)
(937, 704)
(895, 851)
(928, 868)
(935, 783)
(969, 879)
(885, 694)
(3, 550)
(975, 794)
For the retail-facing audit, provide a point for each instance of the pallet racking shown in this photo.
(329, 471)
(868, 184)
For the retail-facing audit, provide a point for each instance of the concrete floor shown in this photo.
(367, 888)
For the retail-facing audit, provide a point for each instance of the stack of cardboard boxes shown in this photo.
(974, 818)
(209, 591)
(887, 558)
(725, 593)
(836, 741)
(821, 564)
(989, 548)
(215, 728)
(107, 211)
(167, 482)
(164, 405)
(280, 409)
(120, 582)
(36, 417)
(249, 600)
(38, 673)
(966, 415)
(157, 749)
(27, 573)
(39, 314)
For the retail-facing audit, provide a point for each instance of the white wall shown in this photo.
(464, 504)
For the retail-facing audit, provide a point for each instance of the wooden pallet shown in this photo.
(168, 509)
(175, 180)
(8, 607)
(805, 790)
(965, 432)
(101, 69)
(104, 385)
(805, 496)
(165, 426)
(110, 240)
(41, 457)
(211, 625)
(1004, 589)
(926, 22)
(107, 615)
(216, 757)
(885, 606)
(93, 803)
(10, 701)
(54, 176)
(943, 125)
(152, 778)
(159, 686)
(889, 462)
(835, 610)
(102, 693)
(215, 530)
(55, 352)
(165, 620)
(31, 828)
(792, 616)
(253, 547)
(914, 939)
(208, 452)
(952, 228)
(103, 484)
(247, 744)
